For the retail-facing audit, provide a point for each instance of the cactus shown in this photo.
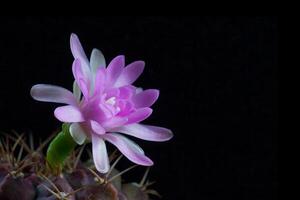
(24, 174)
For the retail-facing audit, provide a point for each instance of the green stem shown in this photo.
(59, 149)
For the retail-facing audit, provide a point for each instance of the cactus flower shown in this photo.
(105, 106)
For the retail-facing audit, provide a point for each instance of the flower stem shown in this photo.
(59, 149)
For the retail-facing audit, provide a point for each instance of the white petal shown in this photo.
(76, 91)
(97, 60)
(146, 132)
(52, 93)
(77, 133)
(130, 149)
(100, 154)
(139, 90)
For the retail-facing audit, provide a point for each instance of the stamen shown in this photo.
(111, 101)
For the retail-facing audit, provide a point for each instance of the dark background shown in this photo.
(218, 83)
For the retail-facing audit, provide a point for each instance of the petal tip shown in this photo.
(169, 135)
(141, 63)
(57, 114)
(121, 57)
(149, 110)
(73, 36)
(102, 170)
(166, 135)
(156, 94)
(144, 113)
(147, 162)
(33, 91)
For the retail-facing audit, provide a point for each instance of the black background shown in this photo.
(218, 83)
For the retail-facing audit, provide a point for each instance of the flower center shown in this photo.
(112, 105)
(111, 101)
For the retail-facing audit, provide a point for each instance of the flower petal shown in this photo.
(139, 90)
(127, 147)
(83, 87)
(115, 68)
(68, 114)
(83, 83)
(145, 98)
(77, 49)
(97, 128)
(100, 80)
(76, 91)
(100, 154)
(126, 92)
(97, 60)
(114, 122)
(130, 73)
(52, 93)
(126, 108)
(139, 115)
(146, 132)
(77, 133)
(81, 58)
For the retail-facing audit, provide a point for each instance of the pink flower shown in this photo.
(110, 105)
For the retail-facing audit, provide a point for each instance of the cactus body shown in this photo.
(24, 175)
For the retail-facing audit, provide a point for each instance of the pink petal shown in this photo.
(127, 147)
(100, 81)
(68, 114)
(97, 128)
(78, 53)
(130, 73)
(52, 93)
(139, 115)
(145, 98)
(115, 68)
(126, 108)
(114, 122)
(83, 87)
(113, 92)
(146, 132)
(100, 156)
(126, 92)
(80, 79)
